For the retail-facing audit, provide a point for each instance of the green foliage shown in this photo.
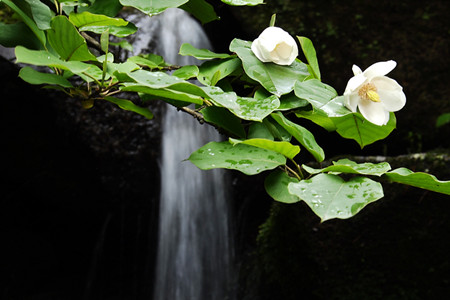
(264, 108)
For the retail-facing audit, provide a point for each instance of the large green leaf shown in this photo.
(276, 185)
(245, 158)
(329, 196)
(302, 135)
(87, 21)
(348, 166)
(243, 2)
(290, 101)
(355, 126)
(224, 119)
(285, 148)
(277, 79)
(66, 41)
(188, 50)
(200, 9)
(317, 117)
(153, 7)
(315, 92)
(213, 71)
(130, 106)
(310, 54)
(186, 72)
(27, 20)
(32, 76)
(418, 179)
(109, 8)
(44, 58)
(42, 14)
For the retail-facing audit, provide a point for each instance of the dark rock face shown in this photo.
(79, 197)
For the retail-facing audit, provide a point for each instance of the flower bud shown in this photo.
(275, 45)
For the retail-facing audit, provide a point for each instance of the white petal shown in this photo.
(392, 100)
(351, 101)
(356, 70)
(258, 51)
(373, 112)
(386, 83)
(355, 82)
(379, 69)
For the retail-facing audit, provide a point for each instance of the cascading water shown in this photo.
(194, 256)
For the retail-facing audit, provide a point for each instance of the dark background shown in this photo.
(80, 187)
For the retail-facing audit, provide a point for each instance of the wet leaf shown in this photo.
(348, 166)
(247, 159)
(285, 148)
(188, 50)
(276, 185)
(329, 196)
(32, 76)
(153, 7)
(418, 179)
(310, 54)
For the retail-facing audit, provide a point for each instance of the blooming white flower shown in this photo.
(373, 93)
(275, 45)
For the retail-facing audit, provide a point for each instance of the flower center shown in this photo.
(369, 92)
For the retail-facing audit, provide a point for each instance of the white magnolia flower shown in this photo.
(373, 93)
(275, 45)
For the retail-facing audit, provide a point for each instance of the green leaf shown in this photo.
(245, 108)
(32, 76)
(186, 72)
(87, 21)
(200, 9)
(44, 58)
(443, 119)
(123, 44)
(13, 35)
(223, 67)
(348, 166)
(42, 14)
(245, 158)
(310, 54)
(329, 196)
(315, 92)
(355, 126)
(67, 42)
(317, 117)
(276, 185)
(418, 179)
(277, 79)
(243, 2)
(276, 130)
(302, 135)
(27, 20)
(224, 119)
(150, 60)
(202, 54)
(284, 148)
(130, 106)
(290, 101)
(152, 7)
(109, 8)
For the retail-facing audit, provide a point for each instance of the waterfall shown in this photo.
(194, 254)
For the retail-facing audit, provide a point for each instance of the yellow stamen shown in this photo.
(372, 95)
(369, 92)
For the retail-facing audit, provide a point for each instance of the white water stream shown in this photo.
(194, 256)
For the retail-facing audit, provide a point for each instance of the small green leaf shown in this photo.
(315, 92)
(418, 179)
(329, 196)
(153, 7)
(200, 9)
(42, 14)
(276, 185)
(290, 101)
(186, 72)
(213, 71)
(104, 41)
(302, 135)
(150, 60)
(443, 119)
(130, 106)
(355, 126)
(189, 50)
(32, 76)
(272, 20)
(109, 8)
(87, 21)
(348, 166)
(310, 54)
(285, 148)
(277, 79)
(224, 119)
(67, 42)
(317, 117)
(245, 158)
